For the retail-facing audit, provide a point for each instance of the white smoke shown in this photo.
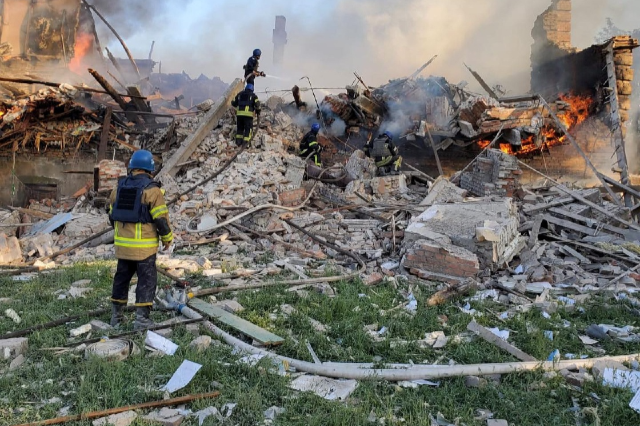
(380, 39)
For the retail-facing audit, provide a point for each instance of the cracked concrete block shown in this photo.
(10, 348)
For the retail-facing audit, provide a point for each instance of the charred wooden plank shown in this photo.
(104, 137)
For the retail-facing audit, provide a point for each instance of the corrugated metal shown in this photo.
(50, 225)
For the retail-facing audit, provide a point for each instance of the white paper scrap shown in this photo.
(182, 377)
(503, 334)
(635, 402)
(160, 343)
(621, 379)
(209, 411)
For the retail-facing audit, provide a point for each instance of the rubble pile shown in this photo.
(432, 108)
(259, 215)
(395, 226)
(173, 92)
(271, 175)
(39, 120)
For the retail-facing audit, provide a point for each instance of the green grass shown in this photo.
(522, 399)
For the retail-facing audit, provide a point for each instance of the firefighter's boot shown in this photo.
(142, 318)
(117, 314)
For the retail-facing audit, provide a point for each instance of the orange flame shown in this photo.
(579, 108)
(83, 45)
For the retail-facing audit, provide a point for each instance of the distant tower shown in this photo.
(279, 40)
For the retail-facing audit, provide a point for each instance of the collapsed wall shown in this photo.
(602, 72)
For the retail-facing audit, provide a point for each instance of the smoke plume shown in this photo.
(130, 17)
(329, 39)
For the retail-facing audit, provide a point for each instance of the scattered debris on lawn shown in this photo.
(181, 378)
(324, 387)
(510, 220)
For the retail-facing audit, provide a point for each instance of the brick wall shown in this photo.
(496, 173)
(109, 173)
(430, 259)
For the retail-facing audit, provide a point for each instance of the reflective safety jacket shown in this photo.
(246, 103)
(309, 144)
(140, 217)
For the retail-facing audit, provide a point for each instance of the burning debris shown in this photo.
(241, 214)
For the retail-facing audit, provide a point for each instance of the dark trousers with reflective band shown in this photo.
(313, 154)
(245, 129)
(147, 281)
(250, 78)
(396, 160)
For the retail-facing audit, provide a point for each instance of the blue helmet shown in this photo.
(249, 87)
(315, 127)
(388, 134)
(257, 52)
(142, 160)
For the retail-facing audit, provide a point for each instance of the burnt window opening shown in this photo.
(38, 188)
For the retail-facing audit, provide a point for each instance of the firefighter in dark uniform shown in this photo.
(384, 153)
(309, 146)
(247, 105)
(251, 68)
(140, 217)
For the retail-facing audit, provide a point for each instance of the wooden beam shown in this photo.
(51, 84)
(114, 94)
(616, 121)
(33, 213)
(208, 123)
(104, 136)
(483, 83)
(115, 63)
(546, 206)
(260, 335)
(488, 336)
(108, 88)
(580, 151)
(124, 45)
(141, 105)
(591, 223)
(580, 198)
(136, 96)
(573, 226)
(426, 176)
(621, 187)
(435, 150)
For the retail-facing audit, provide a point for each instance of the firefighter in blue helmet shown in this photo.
(247, 105)
(140, 217)
(251, 68)
(309, 146)
(384, 153)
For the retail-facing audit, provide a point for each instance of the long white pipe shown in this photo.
(401, 372)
